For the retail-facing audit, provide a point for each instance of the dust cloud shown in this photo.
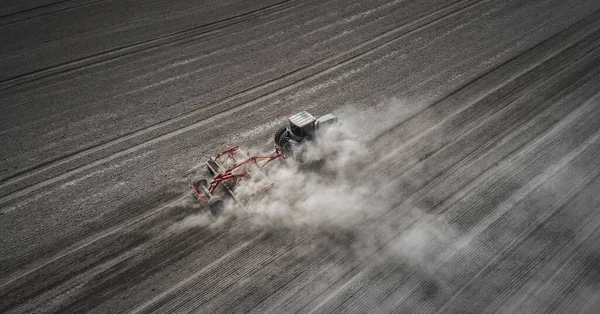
(331, 186)
(328, 189)
(339, 190)
(339, 196)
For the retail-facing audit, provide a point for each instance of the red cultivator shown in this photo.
(229, 169)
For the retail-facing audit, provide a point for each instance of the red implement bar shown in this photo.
(228, 175)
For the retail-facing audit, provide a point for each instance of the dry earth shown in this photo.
(474, 187)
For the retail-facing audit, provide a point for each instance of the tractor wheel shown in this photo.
(216, 206)
(198, 183)
(281, 138)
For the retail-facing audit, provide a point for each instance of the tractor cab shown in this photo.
(299, 128)
(302, 125)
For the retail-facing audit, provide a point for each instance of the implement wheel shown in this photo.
(216, 206)
(198, 183)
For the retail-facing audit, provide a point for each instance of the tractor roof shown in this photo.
(302, 118)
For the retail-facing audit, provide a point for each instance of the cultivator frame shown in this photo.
(229, 168)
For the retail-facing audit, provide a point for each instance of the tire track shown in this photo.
(30, 190)
(143, 67)
(392, 280)
(81, 258)
(588, 230)
(522, 196)
(103, 280)
(466, 117)
(477, 141)
(416, 293)
(330, 64)
(435, 193)
(498, 77)
(462, 217)
(33, 14)
(280, 273)
(355, 22)
(300, 248)
(44, 301)
(293, 287)
(274, 261)
(231, 252)
(394, 219)
(3, 16)
(549, 244)
(439, 163)
(419, 288)
(255, 257)
(120, 52)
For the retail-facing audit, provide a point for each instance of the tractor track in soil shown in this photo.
(199, 117)
(501, 149)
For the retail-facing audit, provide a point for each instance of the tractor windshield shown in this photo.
(296, 130)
